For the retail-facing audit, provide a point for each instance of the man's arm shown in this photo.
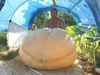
(63, 26)
(47, 24)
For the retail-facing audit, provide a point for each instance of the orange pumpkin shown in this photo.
(48, 49)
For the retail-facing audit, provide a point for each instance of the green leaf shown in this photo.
(94, 39)
(12, 54)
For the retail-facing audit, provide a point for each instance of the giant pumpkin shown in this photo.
(48, 49)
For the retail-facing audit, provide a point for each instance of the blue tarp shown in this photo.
(23, 12)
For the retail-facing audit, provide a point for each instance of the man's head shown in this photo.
(54, 13)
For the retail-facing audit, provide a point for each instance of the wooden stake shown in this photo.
(54, 3)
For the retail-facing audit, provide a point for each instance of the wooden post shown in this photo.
(54, 3)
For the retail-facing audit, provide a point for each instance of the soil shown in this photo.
(16, 67)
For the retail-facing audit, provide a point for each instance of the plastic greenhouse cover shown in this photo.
(23, 12)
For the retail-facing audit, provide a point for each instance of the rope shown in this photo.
(35, 71)
(54, 3)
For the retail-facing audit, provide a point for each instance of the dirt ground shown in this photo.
(16, 67)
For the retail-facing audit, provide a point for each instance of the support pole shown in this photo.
(54, 3)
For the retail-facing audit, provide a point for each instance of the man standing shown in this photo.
(55, 22)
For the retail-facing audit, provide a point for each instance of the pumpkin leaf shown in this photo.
(12, 54)
(93, 39)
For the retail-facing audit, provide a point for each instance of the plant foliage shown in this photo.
(87, 42)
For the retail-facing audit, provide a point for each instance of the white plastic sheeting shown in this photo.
(15, 35)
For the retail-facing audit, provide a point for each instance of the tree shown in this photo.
(40, 20)
(67, 18)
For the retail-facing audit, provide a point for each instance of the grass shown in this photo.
(11, 55)
(4, 54)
